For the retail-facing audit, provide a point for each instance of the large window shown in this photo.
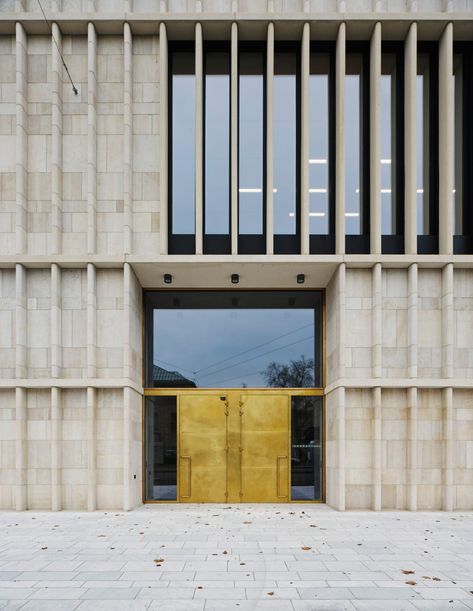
(321, 136)
(306, 448)
(233, 339)
(217, 151)
(463, 149)
(182, 155)
(427, 149)
(357, 149)
(251, 134)
(285, 135)
(161, 448)
(392, 149)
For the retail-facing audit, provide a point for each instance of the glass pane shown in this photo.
(319, 144)
(388, 140)
(217, 340)
(423, 146)
(306, 448)
(217, 143)
(250, 144)
(353, 127)
(161, 449)
(183, 143)
(458, 149)
(285, 143)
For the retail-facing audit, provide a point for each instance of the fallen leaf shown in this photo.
(408, 572)
(270, 593)
(411, 583)
(45, 547)
(436, 579)
(159, 560)
(247, 522)
(306, 548)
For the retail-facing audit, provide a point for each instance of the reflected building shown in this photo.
(236, 254)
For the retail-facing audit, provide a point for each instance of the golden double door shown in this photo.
(234, 446)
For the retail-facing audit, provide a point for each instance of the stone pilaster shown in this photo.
(340, 61)
(377, 454)
(56, 458)
(91, 321)
(412, 436)
(447, 321)
(410, 151)
(21, 139)
(91, 139)
(199, 140)
(412, 305)
(269, 140)
(234, 137)
(305, 132)
(446, 141)
(375, 140)
(91, 450)
(21, 359)
(448, 503)
(21, 456)
(56, 142)
(56, 340)
(127, 141)
(163, 136)
(377, 321)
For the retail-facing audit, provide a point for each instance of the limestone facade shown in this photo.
(83, 224)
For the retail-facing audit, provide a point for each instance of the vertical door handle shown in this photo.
(189, 476)
(278, 476)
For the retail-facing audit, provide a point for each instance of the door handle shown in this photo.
(189, 476)
(278, 476)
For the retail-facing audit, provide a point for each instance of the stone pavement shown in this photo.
(245, 557)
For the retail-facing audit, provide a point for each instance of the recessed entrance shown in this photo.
(234, 446)
(206, 442)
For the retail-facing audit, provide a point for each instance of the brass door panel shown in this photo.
(264, 448)
(202, 448)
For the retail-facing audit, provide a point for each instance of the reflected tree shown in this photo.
(295, 374)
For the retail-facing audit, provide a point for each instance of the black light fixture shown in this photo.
(300, 278)
(167, 279)
(235, 278)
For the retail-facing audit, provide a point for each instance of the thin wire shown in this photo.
(74, 89)
(258, 356)
(254, 348)
(246, 375)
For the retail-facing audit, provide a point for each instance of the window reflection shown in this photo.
(388, 144)
(319, 144)
(217, 142)
(306, 448)
(285, 143)
(251, 144)
(353, 144)
(161, 446)
(183, 142)
(236, 339)
(423, 143)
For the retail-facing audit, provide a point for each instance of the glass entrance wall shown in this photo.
(306, 448)
(161, 448)
(234, 339)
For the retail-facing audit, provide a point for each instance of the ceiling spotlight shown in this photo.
(235, 278)
(300, 278)
(167, 279)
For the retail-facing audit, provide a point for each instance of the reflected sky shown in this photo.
(222, 348)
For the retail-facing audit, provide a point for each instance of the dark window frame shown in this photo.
(178, 244)
(394, 244)
(291, 244)
(360, 244)
(214, 244)
(463, 244)
(318, 243)
(253, 244)
(429, 244)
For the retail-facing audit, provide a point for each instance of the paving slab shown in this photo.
(246, 558)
